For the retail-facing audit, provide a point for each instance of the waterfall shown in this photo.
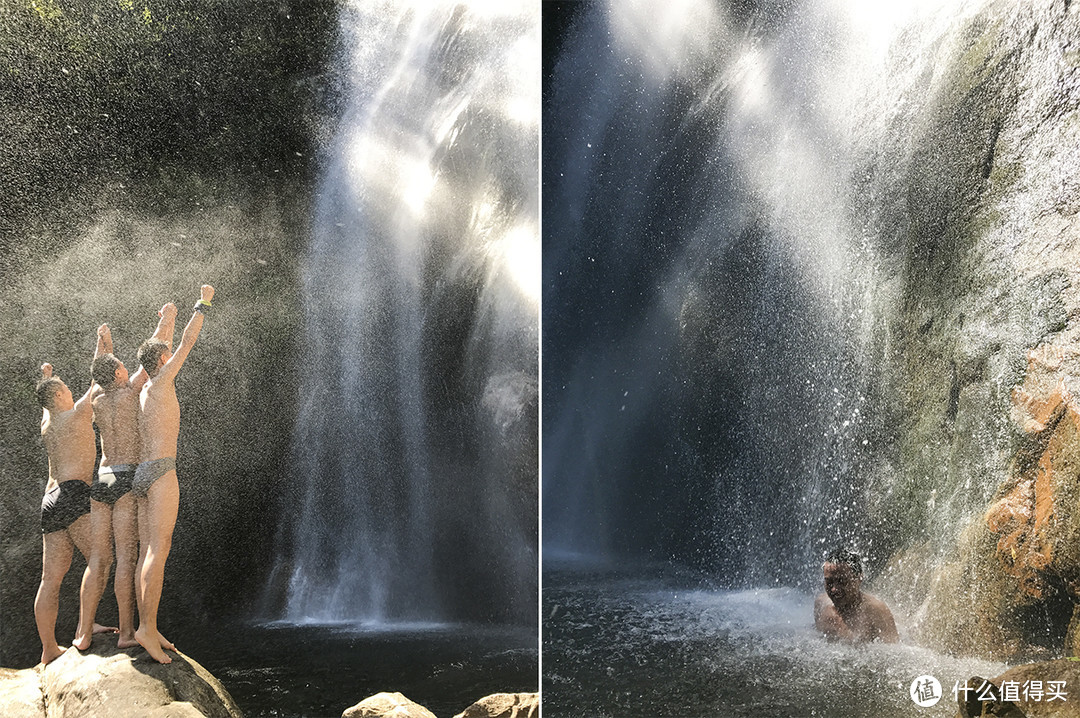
(413, 466)
(727, 218)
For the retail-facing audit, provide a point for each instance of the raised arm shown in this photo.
(191, 333)
(104, 341)
(46, 372)
(164, 332)
(85, 402)
(166, 325)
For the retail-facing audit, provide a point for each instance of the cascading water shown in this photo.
(721, 277)
(415, 450)
(795, 253)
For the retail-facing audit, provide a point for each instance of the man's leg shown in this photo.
(96, 546)
(142, 521)
(142, 512)
(127, 556)
(55, 562)
(161, 504)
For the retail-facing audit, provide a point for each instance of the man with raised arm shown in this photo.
(112, 507)
(155, 485)
(68, 434)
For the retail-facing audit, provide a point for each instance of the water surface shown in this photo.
(659, 642)
(286, 670)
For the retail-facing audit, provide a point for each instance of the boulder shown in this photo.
(387, 705)
(118, 683)
(20, 694)
(504, 705)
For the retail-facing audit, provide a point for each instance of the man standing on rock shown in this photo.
(844, 612)
(68, 433)
(112, 507)
(155, 485)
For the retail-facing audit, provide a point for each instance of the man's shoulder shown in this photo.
(876, 604)
(59, 419)
(60, 422)
(151, 388)
(158, 382)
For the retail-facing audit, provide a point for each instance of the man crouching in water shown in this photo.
(112, 507)
(844, 612)
(155, 485)
(68, 434)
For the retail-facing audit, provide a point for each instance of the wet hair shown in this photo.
(103, 370)
(150, 353)
(848, 558)
(46, 390)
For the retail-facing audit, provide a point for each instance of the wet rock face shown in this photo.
(986, 445)
(1031, 690)
(1034, 513)
(1021, 560)
(117, 683)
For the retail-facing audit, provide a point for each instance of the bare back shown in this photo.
(159, 419)
(116, 413)
(69, 440)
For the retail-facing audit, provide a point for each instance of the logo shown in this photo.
(925, 691)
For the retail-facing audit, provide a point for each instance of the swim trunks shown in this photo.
(63, 505)
(148, 472)
(112, 482)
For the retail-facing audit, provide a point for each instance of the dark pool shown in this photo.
(316, 671)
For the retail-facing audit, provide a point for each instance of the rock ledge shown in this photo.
(118, 683)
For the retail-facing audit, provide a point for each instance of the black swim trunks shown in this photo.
(112, 482)
(63, 505)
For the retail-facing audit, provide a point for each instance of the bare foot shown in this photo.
(50, 655)
(82, 642)
(165, 643)
(152, 646)
(123, 642)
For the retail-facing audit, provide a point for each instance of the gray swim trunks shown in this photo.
(148, 472)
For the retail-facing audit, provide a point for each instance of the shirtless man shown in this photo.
(112, 507)
(155, 486)
(844, 612)
(68, 434)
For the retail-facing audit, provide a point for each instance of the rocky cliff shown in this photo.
(982, 354)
